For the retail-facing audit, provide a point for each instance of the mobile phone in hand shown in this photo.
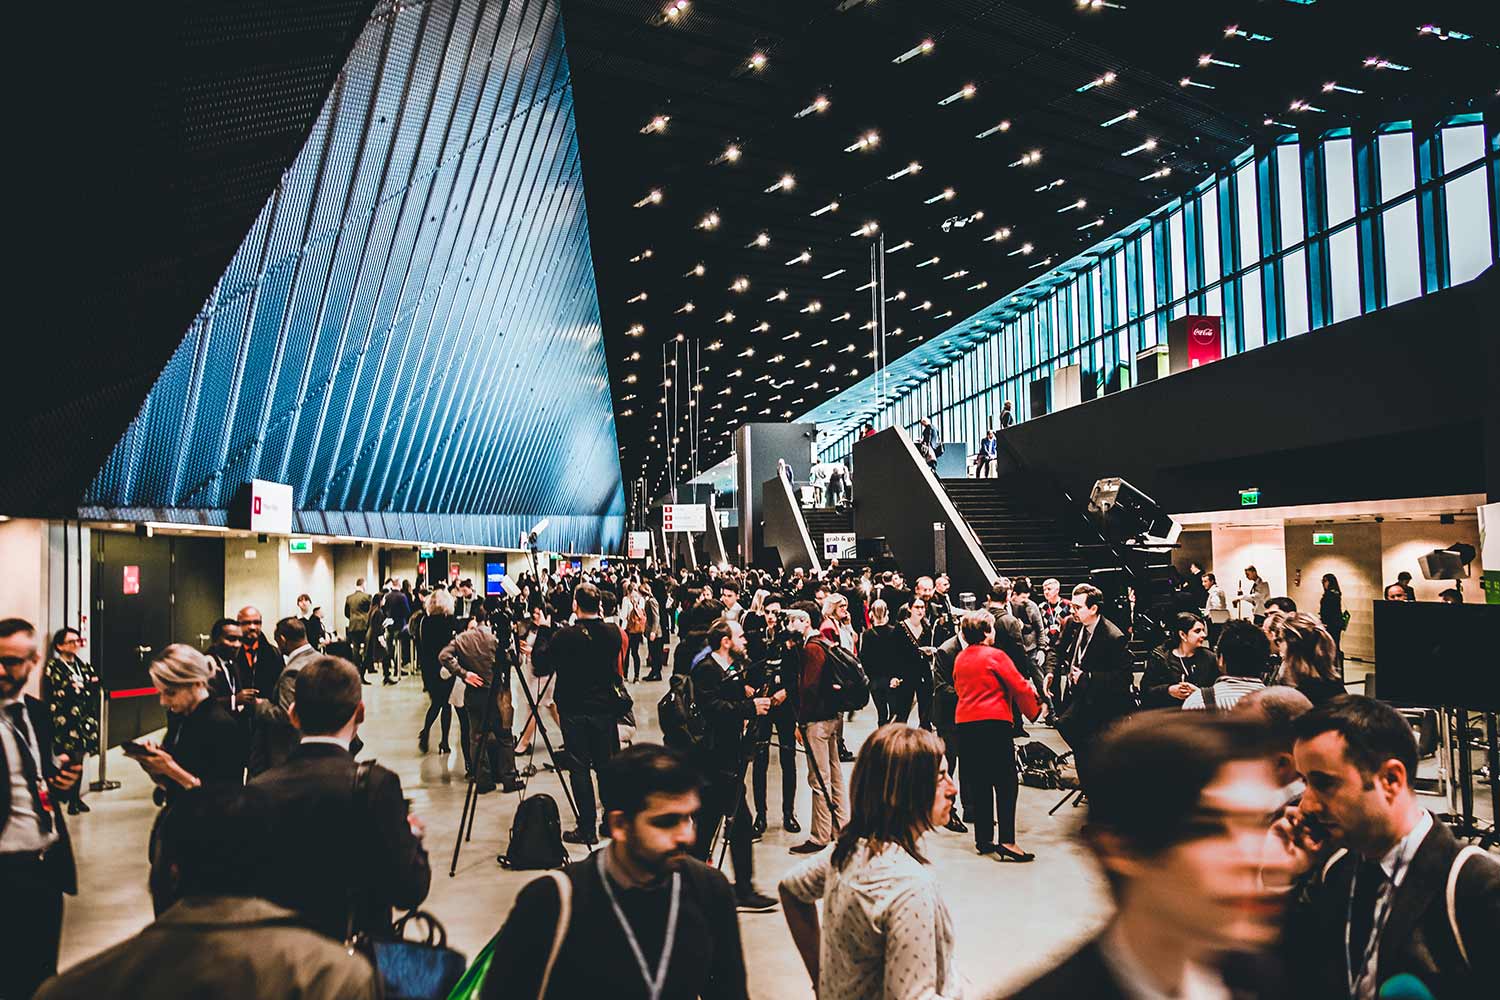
(135, 748)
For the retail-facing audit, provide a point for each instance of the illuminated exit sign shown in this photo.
(1250, 498)
(299, 546)
(1322, 538)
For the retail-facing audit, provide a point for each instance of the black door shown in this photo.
(132, 622)
(197, 588)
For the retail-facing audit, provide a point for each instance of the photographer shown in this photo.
(477, 657)
(727, 703)
(770, 674)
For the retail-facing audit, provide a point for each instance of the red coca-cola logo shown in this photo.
(1205, 334)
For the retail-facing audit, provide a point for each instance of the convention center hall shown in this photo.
(753, 500)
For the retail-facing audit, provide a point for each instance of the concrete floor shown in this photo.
(1011, 920)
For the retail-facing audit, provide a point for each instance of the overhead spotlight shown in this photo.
(1300, 105)
(731, 154)
(1376, 62)
(867, 141)
(812, 307)
(868, 229)
(911, 168)
(923, 47)
(696, 271)
(762, 240)
(786, 183)
(801, 258)
(832, 206)
(1160, 172)
(761, 327)
(1332, 85)
(739, 284)
(923, 306)
(1089, 225)
(686, 307)
(653, 197)
(674, 10)
(636, 329)
(1188, 81)
(1023, 248)
(1147, 145)
(657, 124)
(643, 255)
(1059, 182)
(709, 221)
(819, 104)
(637, 297)
(841, 317)
(1098, 81)
(963, 93)
(834, 274)
(630, 379)
(1235, 31)
(1207, 59)
(778, 297)
(1117, 119)
(758, 61)
(633, 356)
(903, 245)
(1027, 159)
(929, 262)
(981, 286)
(1442, 35)
(946, 194)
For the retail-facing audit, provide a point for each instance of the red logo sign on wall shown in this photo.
(131, 584)
(1204, 342)
(453, 570)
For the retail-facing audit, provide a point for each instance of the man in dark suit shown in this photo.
(1091, 680)
(1400, 895)
(36, 856)
(259, 664)
(1176, 819)
(340, 845)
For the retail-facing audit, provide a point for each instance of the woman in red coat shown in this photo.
(990, 692)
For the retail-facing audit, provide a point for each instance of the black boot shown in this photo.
(790, 825)
(422, 742)
(759, 828)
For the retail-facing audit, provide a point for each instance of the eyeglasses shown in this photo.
(11, 662)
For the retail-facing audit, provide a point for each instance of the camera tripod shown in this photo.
(480, 739)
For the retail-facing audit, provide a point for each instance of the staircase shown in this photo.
(823, 520)
(1020, 532)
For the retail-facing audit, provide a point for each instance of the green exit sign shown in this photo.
(426, 553)
(1322, 538)
(299, 546)
(1249, 498)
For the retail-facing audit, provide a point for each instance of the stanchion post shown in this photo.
(103, 784)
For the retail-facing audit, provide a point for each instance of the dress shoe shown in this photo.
(485, 789)
(807, 847)
(759, 827)
(422, 743)
(583, 837)
(985, 848)
(1004, 853)
(956, 825)
(444, 749)
(76, 806)
(512, 785)
(790, 824)
(845, 756)
(365, 681)
(389, 681)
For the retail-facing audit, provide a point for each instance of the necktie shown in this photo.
(1083, 644)
(1368, 881)
(18, 724)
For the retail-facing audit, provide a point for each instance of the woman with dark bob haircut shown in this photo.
(889, 933)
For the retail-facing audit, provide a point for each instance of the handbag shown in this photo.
(409, 970)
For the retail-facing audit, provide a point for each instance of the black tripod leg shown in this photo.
(465, 820)
(541, 729)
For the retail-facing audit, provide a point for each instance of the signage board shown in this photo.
(1194, 341)
(494, 578)
(454, 569)
(425, 553)
(1322, 538)
(299, 546)
(639, 544)
(270, 507)
(1249, 497)
(838, 545)
(131, 583)
(684, 517)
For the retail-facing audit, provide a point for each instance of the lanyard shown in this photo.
(655, 983)
(1387, 894)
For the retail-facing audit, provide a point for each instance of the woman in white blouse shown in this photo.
(888, 933)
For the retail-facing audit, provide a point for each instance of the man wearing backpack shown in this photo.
(727, 702)
(817, 721)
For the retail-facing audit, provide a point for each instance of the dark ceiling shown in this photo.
(1030, 64)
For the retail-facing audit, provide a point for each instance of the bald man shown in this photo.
(259, 663)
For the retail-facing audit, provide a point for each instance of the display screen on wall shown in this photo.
(494, 572)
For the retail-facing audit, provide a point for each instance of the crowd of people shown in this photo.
(1236, 796)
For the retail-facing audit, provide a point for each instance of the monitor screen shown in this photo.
(1437, 655)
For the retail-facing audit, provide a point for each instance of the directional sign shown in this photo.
(684, 517)
(639, 544)
(838, 545)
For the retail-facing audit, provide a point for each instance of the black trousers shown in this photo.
(785, 725)
(637, 653)
(723, 800)
(880, 693)
(490, 727)
(30, 924)
(988, 755)
(591, 741)
(438, 707)
(923, 684)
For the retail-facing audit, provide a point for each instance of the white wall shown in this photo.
(1404, 542)
(23, 585)
(253, 580)
(1262, 546)
(1354, 557)
(350, 563)
(311, 574)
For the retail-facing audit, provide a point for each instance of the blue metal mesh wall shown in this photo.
(409, 333)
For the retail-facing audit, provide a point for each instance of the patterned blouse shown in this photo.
(72, 695)
(886, 930)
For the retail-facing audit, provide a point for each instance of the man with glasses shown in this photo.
(36, 856)
(259, 661)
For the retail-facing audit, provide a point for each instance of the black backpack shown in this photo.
(683, 724)
(849, 685)
(536, 835)
(1038, 765)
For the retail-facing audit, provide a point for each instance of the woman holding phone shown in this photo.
(203, 745)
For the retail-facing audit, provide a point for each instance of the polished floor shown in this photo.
(1010, 919)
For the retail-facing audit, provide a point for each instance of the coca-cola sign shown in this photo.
(1195, 341)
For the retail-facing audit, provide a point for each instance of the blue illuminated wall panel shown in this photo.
(409, 333)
